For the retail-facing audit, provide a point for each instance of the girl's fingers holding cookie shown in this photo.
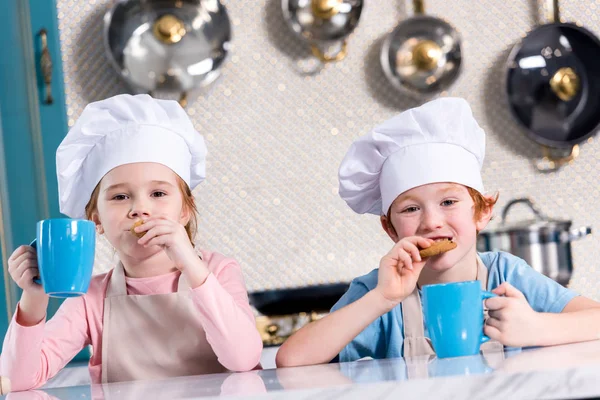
(155, 231)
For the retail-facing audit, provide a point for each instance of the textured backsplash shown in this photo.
(276, 135)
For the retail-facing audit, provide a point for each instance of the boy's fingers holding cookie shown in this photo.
(422, 242)
(414, 252)
(398, 257)
(405, 260)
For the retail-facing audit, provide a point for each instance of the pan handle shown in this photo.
(324, 58)
(550, 163)
(183, 100)
(553, 12)
(419, 6)
(528, 202)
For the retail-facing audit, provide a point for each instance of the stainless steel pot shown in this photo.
(323, 21)
(543, 242)
(422, 55)
(171, 46)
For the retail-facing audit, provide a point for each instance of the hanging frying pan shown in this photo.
(423, 54)
(553, 86)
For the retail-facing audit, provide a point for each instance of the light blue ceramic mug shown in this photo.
(454, 316)
(65, 254)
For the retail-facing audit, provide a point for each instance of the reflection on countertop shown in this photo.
(569, 371)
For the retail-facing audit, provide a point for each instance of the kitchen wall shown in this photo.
(276, 135)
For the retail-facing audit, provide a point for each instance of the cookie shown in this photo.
(137, 223)
(438, 248)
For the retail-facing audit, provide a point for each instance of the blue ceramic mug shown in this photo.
(454, 317)
(65, 254)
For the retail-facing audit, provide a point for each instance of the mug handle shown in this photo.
(34, 245)
(486, 295)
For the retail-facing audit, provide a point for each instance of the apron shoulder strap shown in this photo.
(412, 316)
(116, 284)
(415, 342)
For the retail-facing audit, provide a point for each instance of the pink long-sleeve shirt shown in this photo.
(32, 355)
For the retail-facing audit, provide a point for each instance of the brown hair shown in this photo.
(480, 204)
(188, 202)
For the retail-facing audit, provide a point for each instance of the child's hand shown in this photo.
(400, 269)
(23, 267)
(512, 321)
(171, 237)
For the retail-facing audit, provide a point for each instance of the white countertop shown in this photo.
(570, 371)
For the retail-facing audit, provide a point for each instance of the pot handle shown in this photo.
(183, 100)
(553, 12)
(538, 214)
(324, 58)
(576, 234)
(550, 163)
(419, 7)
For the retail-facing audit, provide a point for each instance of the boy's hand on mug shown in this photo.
(23, 268)
(511, 320)
(399, 270)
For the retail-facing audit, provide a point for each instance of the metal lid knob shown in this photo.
(272, 330)
(325, 9)
(565, 83)
(169, 29)
(426, 55)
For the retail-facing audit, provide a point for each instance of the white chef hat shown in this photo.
(439, 141)
(121, 130)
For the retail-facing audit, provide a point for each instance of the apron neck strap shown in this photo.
(482, 273)
(117, 285)
(412, 316)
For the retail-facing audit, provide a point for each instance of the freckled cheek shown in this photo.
(406, 226)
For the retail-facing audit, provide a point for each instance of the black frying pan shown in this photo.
(553, 85)
(318, 298)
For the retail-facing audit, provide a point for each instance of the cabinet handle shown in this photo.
(46, 66)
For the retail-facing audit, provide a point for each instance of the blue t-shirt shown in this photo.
(384, 337)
